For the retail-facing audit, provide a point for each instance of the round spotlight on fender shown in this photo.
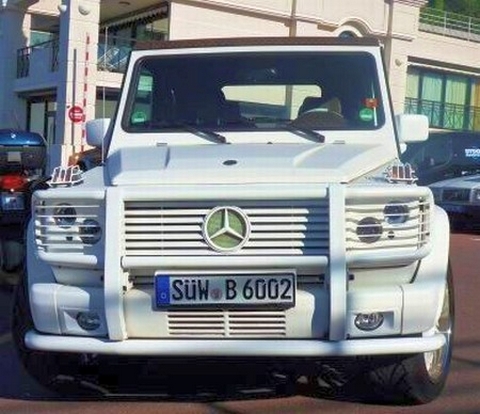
(396, 213)
(64, 215)
(89, 321)
(369, 230)
(90, 231)
(369, 321)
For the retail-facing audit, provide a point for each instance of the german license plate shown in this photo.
(238, 290)
(13, 201)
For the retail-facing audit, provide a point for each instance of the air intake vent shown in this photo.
(240, 324)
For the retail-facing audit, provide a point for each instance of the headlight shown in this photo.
(369, 230)
(64, 215)
(90, 231)
(396, 213)
(476, 196)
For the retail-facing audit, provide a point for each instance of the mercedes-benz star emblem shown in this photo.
(226, 229)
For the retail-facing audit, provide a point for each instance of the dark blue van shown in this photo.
(445, 154)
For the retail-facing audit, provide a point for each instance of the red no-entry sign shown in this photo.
(75, 113)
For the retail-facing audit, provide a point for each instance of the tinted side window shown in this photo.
(434, 152)
(438, 152)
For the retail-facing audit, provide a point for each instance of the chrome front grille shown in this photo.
(227, 323)
(154, 228)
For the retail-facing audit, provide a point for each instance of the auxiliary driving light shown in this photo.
(90, 231)
(88, 321)
(369, 230)
(369, 321)
(65, 215)
(396, 213)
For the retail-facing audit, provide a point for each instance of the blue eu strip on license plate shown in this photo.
(162, 290)
(237, 290)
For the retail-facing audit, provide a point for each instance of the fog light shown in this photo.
(88, 320)
(369, 321)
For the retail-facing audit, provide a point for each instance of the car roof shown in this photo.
(455, 134)
(257, 41)
(439, 135)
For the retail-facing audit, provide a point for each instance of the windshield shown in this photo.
(255, 91)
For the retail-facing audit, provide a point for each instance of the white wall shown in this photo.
(187, 21)
(443, 50)
(75, 74)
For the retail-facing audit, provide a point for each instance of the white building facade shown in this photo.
(61, 61)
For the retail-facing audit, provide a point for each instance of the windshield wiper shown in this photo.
(305, 132)
(209, 135)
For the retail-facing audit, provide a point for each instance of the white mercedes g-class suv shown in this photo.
(250, 203)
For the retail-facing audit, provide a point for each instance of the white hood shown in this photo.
(244, 163)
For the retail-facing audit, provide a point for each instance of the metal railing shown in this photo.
(449, 24)
(23, 62)
(24, 56)
(445, 115)
(112, 56)
(113, 53)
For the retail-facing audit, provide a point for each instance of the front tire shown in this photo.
(420, 378)
(45, 367)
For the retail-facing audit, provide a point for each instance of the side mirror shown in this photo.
(411, 128)
(96, 130)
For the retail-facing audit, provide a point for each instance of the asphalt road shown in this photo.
(240, 388)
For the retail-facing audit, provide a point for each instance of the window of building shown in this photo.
(43, 29)
(41, 113)
(106, 103)
(117, 38)
(450, 101)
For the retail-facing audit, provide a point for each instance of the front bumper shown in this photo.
(231, 348)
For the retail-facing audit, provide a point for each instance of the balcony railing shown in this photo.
(445, 115)
(449, 24)
(25, 56)
(113, 53)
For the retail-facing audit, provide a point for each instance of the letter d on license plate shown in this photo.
(239, 290)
